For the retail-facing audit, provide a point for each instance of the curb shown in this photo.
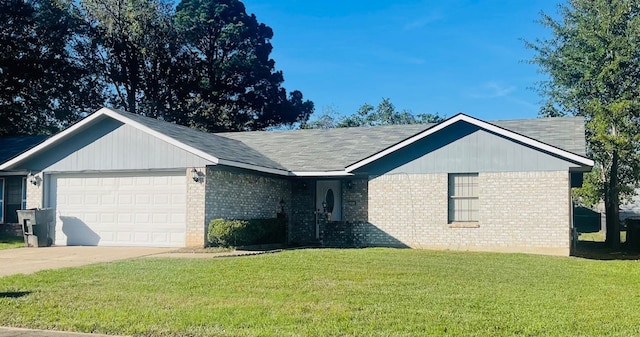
(13, 332)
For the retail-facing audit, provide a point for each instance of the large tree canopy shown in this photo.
(132, 44)
(593, 63)
(202, 63)
(43, 86)
(235, 82)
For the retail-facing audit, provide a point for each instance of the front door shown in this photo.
(329, 199)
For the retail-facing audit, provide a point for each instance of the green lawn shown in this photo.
(334, 292)
(600, 236)
(9, 241)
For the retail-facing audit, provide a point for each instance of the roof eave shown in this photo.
(117, 116)
(322, 173)
(484, 125)
(91, 118)
(252, 167)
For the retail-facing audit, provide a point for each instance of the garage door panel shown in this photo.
(125, 199)
(120, 210)
(108, 236)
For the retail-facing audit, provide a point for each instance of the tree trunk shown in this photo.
(612, 205)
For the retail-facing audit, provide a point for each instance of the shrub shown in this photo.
(233, 233)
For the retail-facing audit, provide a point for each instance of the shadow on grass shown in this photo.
(594, 250)
(14, 294)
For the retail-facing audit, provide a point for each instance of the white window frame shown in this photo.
(23, 203)
(2, 190)
(463, 195)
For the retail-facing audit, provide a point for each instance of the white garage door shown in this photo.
(119, 209)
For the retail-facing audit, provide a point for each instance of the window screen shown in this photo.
(463, 197)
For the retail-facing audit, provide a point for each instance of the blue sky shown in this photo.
(427, 56)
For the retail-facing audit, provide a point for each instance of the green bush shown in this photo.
(233, 233)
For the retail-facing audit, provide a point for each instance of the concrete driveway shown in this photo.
(31, 260)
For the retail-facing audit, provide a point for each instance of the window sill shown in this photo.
(464, 225)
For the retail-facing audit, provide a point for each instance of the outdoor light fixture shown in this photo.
(33, 179)
(196, 175)
(324, 206)
(282, 205)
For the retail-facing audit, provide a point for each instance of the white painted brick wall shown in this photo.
(519, 211)
(195, 231)
(34, 193)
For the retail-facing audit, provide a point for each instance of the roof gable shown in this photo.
(328, 152)
(213, 148)
(325, 151)
(569, 156)
(465, 148)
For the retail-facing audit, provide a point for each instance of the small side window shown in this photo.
(1, 200)
(463, 197)
(24, 193)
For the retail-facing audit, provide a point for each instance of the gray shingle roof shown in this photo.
(324, 149)
(217, 146)
(566, 133)
(13, 146)
(334, 149)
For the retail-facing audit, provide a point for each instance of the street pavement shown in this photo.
(16, 332)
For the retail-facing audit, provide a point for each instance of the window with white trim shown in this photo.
(24, 194)
(1, 200)
(463, 197)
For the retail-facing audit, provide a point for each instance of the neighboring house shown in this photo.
(121, 179)
(630, 208)
(13, 182)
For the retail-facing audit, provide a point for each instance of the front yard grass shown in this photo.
(334, 292)
(10, 241)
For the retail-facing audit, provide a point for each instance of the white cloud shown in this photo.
(423, 21)
(492, 89)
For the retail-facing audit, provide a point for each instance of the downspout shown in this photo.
(573, 234)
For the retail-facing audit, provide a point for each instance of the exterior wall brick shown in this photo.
(519, 212)
(234, 194)
(355, 203)
(195, 222)
(35, 193)
(303, 217)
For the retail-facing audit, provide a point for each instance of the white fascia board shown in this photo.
(159, 135)
(322, 174)
(253, 167)
(484, 125)
(53, 139)
(116, 116)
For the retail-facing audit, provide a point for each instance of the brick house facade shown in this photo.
(461, 184)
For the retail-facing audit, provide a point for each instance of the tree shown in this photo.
(205, 65)
(233, 84)
(43, 86)
(368, 115)
(133, 44)
(329, 119)
(593, 61)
